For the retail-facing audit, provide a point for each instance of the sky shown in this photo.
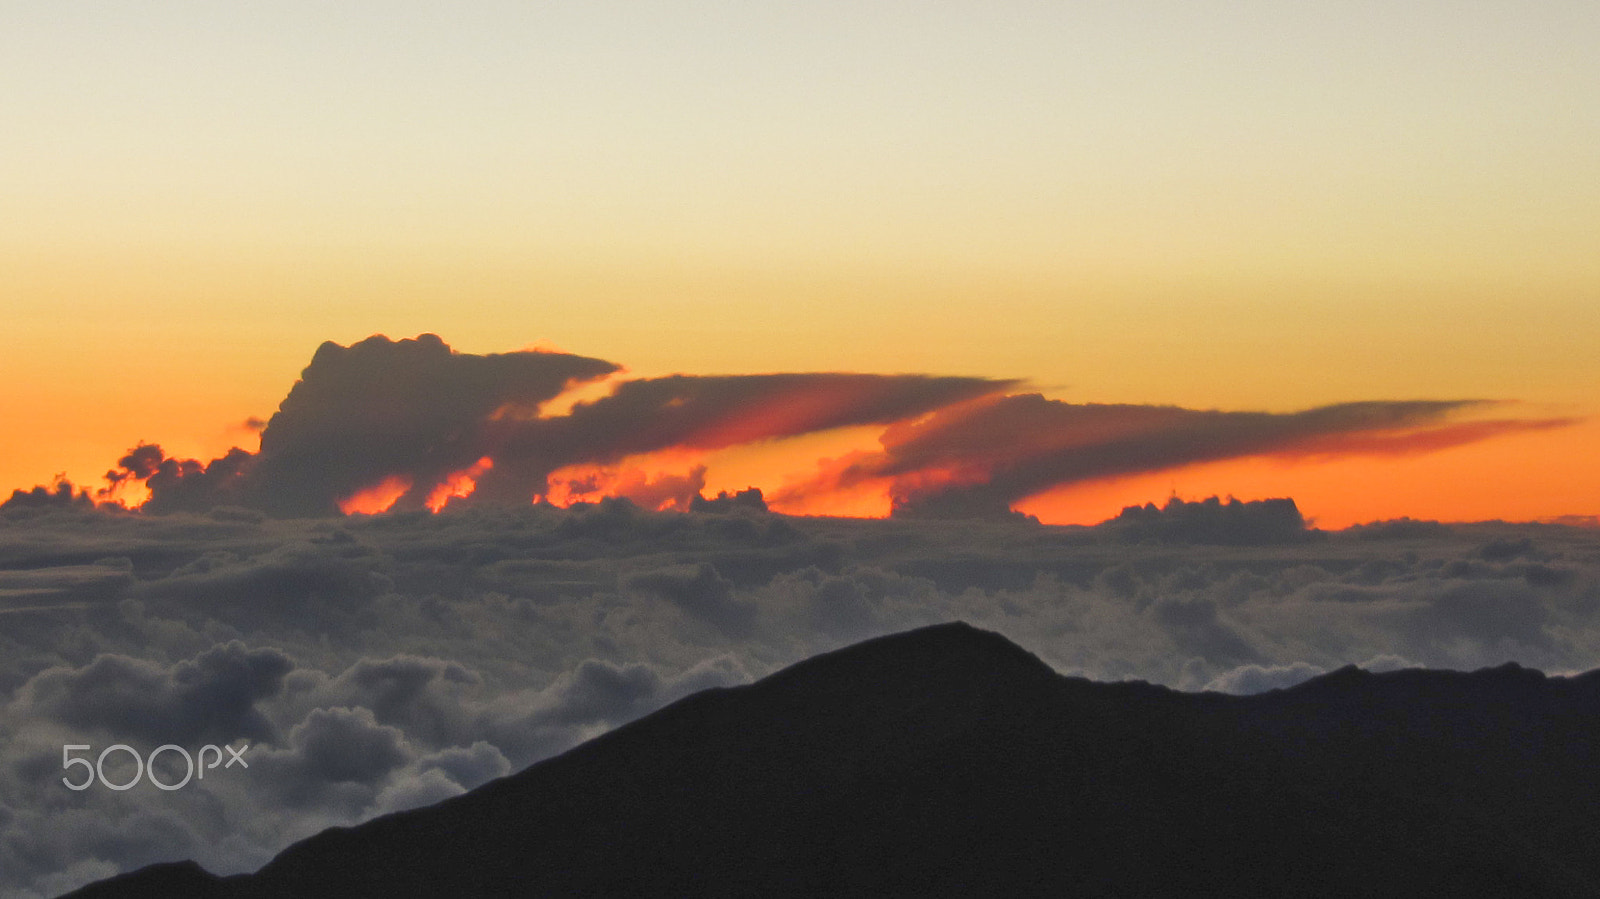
(1252, 207)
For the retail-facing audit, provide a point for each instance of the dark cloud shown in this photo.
(1402, 529)
(212, 697)
(595, 695)
(188, 484)
(81, 846)
(1504, 550)
(65, 585)
(1196, 626)
(382, 408)
(347, 745)
(749, 500)
(365, 413)
(975, 460)
(599, 691)
(703, 593)
(1213, 521)
(317, 581)
(140, 463)
(468, 766)
(1487, 611)
(60, 495)
(707, 413)
(423, 696)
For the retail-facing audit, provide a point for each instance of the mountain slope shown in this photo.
(949, 761)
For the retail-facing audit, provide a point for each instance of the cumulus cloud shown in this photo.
(360, 415)
(1213, 521)
(468, 765)
(345, 746)
(59, 495)
(209, 698)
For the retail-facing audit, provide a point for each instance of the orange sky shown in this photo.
(1249, 208)
(1519, 477)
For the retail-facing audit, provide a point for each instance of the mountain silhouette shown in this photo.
(948, 761)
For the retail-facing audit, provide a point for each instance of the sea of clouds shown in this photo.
(379, 663)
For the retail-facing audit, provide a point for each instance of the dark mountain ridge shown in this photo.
(949, 761)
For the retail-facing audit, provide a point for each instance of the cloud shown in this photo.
(346, 746)
(976, 460)
(139, 464)
(60, 495)
(1402, 529)
(1386, 662)
(702, 413)
(468, 766)
(1213, 521)
(1249, 679)
(362, 414)
(210, 698)
(426, 697)
(187, 484)
(1196, 625)
(65, 585)
(1487, 610)
(659, 491)
(81, 846)
(336, 762)
(748, 500)
(589, 699)
(600, 691)
(702, 593)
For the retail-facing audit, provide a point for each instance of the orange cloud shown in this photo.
(456, 485)
(380, 497)
(635, 479)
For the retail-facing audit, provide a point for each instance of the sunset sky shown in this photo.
(1262, 207)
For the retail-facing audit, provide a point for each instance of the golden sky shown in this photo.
(1255, 207)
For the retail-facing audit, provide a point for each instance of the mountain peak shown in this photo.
(952, 649)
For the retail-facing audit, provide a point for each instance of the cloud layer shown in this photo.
(377, 663)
